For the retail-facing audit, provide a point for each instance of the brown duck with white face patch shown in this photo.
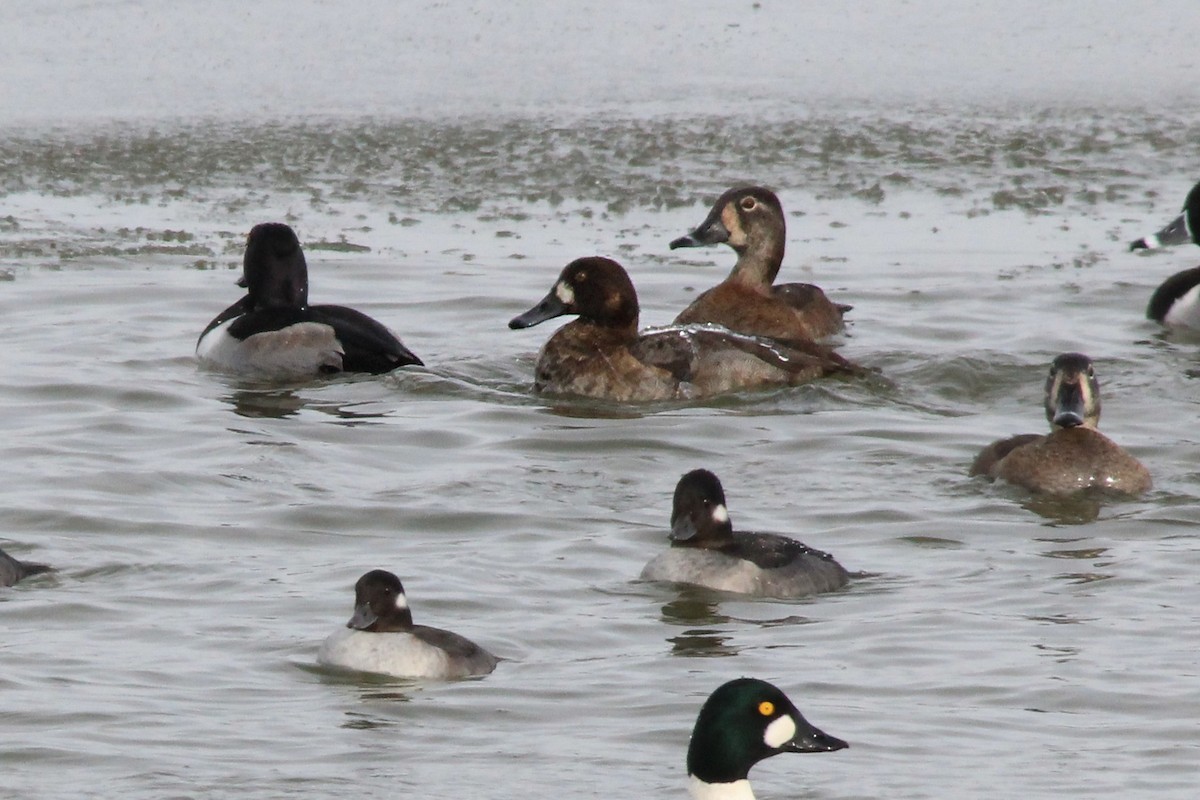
(750, 220)
(1074, 455)
(602, 355)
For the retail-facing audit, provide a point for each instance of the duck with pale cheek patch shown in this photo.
(750, 220)
(381, 638)
(1074, 456)
(602, 355)
(274, 334)
(706, 551)
(1176, 303)
(743, 722)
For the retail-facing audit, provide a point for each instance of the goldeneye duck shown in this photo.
(273, 333)
(1074, 455)
(1177, 301)
(741, 723)
(602, 355)
(706, 551)
(381, 637)
(12, 570)
(750, 220)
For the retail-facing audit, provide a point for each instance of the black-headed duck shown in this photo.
(381, 638)
(273, 333)
(750, 220)
(602, 355)
(12, 570)
(706, 551)
(1074, 455)
(741, 723)
(1177, 301)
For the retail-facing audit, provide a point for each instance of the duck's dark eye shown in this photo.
(749, 204)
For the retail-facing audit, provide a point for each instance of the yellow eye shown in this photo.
(766, 708)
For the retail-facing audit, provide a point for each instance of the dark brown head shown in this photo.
(380, 605)
(274, 272)
(597, 289)
(1072, 392)
(699, 517)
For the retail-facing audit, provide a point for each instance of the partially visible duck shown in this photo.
(1074, 455)
(750, 220)
(602, 355)
(12, 570)
(381, 637)
(706, 551)
(740, 724)
(273, 333)
(1177, 301)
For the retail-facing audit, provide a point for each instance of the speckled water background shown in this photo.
(967, 175)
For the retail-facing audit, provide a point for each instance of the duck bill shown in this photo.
(1070, 411)
(711, 231)
(363, 618)
(1178, 232)
(810, 739)
(550, 307)
(683, 529)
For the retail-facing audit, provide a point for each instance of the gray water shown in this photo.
(207, 532)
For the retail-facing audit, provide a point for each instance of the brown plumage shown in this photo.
(1074, 455)
(750, 220)
(602, 354)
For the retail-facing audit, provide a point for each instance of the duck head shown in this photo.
(699, 516)
(1072, 392)
(1183, 229)
(380, 605)
(274, 272)
(596, 289)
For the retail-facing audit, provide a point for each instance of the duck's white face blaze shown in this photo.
(720, 514)
(564, 293)
(780, 732)
(401, 601)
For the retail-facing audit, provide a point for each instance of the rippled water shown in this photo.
(207, 533)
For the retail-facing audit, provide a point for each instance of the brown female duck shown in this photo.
(750, 220)
(1074, 455)
(602, 355)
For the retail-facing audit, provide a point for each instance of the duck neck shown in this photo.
(758, 262)
(733, 790)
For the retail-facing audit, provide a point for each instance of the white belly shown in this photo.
(399, 654)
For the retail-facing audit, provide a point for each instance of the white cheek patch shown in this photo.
(780, 732)
(720, 514)
(401, 601)
(564, 293)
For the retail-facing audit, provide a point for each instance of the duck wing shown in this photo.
(368, 345)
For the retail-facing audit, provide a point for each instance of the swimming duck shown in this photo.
(740, 724)
(274, 333)
(602, 355)
(1074, 455)
(1177, 301)
(706, 551)
(381, 637)
(750, 220)
(12, 570)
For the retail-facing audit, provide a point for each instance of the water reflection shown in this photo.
(1075, 509)
(285, 403)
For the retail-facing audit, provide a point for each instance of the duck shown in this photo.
(602, 355)
(12, 570)
(272, 333)
(381, 638)
(750, 220)
(1074, 456)
(706, 551)
(1176, 303)
(741, 723)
